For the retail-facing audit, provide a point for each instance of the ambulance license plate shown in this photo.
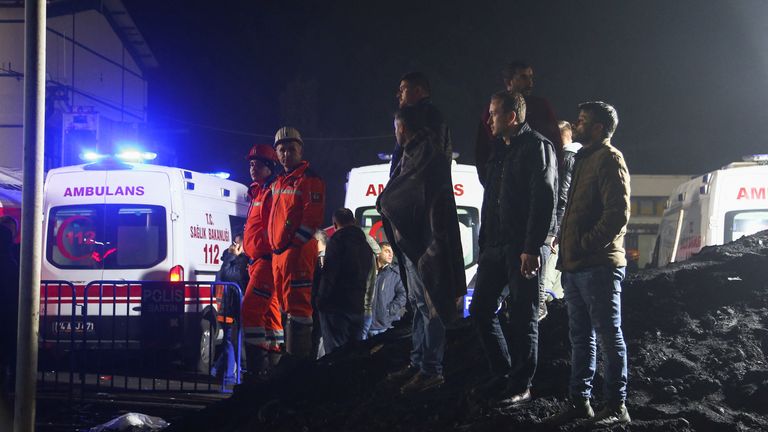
(67, 327)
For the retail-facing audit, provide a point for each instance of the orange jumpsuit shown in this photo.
(297, 212)
(262, 321)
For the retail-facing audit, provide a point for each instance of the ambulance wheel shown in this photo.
(206, 351)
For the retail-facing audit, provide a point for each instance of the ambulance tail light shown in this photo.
(176, 274)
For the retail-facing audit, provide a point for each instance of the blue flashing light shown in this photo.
(136, 156)
(220, 174)
(91, 156)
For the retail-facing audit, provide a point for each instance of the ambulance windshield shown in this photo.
(469, 229)
(744, 222)
(110, 236)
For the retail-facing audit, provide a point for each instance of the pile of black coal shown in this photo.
(697, 335)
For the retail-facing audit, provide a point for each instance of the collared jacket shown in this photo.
(540, 117)
(345, 272)
(298, 200)
(596, 216)
(436, 123)
(255, 239)
(564, 178)
(418, 211)
(388, 299)
(520, 193)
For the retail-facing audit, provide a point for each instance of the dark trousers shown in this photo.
(513, 351)
(339, 328)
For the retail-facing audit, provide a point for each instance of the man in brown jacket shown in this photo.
(592, 263)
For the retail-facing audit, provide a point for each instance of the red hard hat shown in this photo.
(263, 152)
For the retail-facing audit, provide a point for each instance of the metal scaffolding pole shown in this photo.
(31, 215)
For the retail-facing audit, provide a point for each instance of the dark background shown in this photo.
(688, 78)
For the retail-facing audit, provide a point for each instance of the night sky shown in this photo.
(688, 78)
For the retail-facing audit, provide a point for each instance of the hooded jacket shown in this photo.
(595, 219)
(418, 211)
(520, 193)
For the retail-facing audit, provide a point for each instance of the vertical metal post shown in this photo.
(31, 214)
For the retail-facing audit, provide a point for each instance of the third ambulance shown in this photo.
(715, 208)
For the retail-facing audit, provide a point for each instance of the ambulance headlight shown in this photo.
(91, 156)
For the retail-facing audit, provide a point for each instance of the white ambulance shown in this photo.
(713, 209)
(116, 221)
(364, 184)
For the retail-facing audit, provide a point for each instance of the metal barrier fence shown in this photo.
(139, 336)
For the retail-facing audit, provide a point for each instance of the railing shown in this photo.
(139, 336)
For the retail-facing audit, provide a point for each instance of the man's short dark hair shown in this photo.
(412, 118)
(417, 79)
(384, 244)
(602, 113)
(344, 217)
(511, 102)
(511, 69)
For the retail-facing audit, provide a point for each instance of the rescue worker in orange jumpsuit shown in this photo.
(298, 199)
(262, 322)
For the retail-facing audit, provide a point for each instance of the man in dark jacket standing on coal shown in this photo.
(419, 215)
(592, 261)
(348, 261)
(518, 207)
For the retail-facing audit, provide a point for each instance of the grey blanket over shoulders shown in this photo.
(418, 204)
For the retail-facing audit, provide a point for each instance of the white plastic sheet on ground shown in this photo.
(131, 422)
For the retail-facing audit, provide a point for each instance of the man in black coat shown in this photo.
(340, 298)
(518, 208)
(418, 211)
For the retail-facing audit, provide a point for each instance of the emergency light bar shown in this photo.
(136, 156)
(91, 156)
(755, 158)
(220, 174)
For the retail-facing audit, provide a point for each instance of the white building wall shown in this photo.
(96, 68)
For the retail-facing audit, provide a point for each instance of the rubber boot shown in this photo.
(256, 359)
(298, 339)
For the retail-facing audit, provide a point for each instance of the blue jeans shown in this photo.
(511, 351)
(367, 321)
(339, 328)
(593, 297)
(428, 332)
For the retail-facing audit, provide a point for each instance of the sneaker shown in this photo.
(422, 382)
(515, 401)
(577, 409)
(543, 312)
(403, 374)
(612, 415)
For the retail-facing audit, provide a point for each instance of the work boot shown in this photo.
(403, 374)
(274, 358)
(612, 414)
(298, 339)
(577, 409)
(421, 382)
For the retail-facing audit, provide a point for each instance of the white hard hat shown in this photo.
(287, 133)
